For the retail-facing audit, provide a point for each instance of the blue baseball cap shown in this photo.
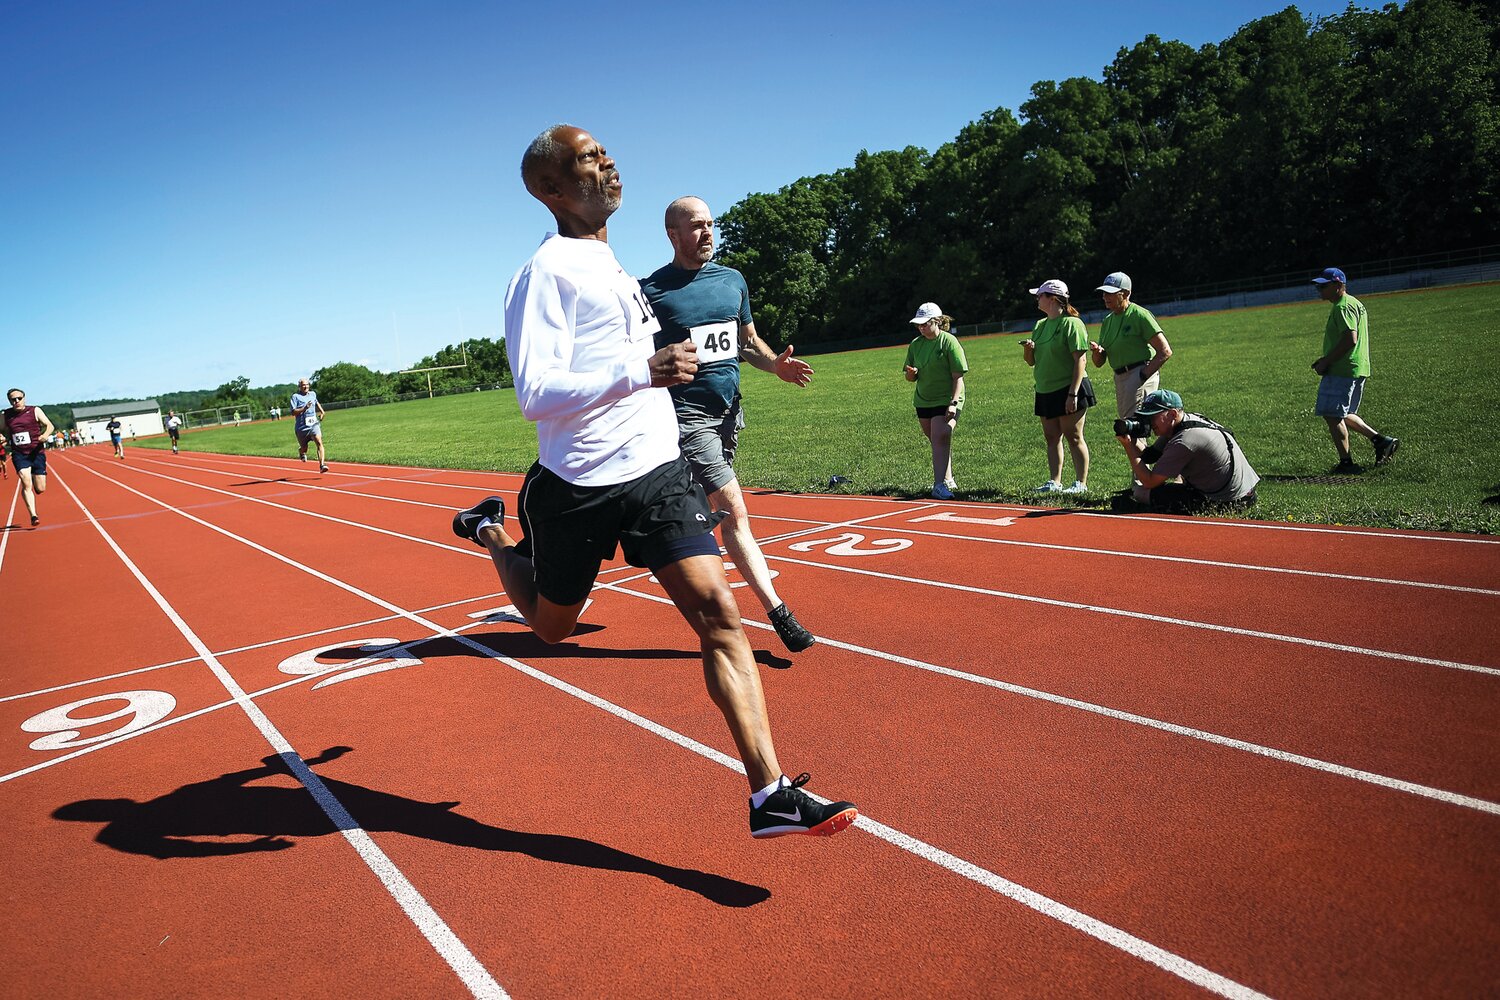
(1330, 274)
(1158, 402)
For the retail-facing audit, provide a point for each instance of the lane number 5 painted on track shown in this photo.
(847, 544)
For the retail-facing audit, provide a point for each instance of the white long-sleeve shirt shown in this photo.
(579, 334)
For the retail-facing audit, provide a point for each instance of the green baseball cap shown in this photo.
(1158, 402)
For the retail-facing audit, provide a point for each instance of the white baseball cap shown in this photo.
(1119, 281)
(926, 313)
(1052, 286)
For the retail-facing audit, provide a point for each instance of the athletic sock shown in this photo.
(484, 522)
(759, 798)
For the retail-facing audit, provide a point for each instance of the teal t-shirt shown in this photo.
(1348, 314)
(1126, 338)
(936, 361)
(1056, 339)
(707, 306)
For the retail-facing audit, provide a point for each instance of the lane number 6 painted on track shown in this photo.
(847, 544)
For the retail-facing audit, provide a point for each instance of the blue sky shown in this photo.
(196, 191)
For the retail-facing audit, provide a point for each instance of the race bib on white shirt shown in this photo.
(717, 341)
(21, 438)
(641, 322)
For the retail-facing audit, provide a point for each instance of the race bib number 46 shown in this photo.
(716, 341)
(21, 438)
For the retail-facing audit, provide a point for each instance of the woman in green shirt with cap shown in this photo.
(935, 362)
(1056, 350)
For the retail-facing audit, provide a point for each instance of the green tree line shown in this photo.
(1293, 144)
(338, 382)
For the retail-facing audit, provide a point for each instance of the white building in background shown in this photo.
(137, 419)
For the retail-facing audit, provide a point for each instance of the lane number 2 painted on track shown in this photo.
(848, 544)
(64, 724)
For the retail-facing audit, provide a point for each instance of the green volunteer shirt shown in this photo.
(1056, 339)
(937, 361)
(1126, 338)
(1348, 314)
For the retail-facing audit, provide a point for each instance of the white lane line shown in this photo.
(432, 927)
(240, 649)
(1230, 742)
(1156, 619)
(1098, 929)
(9, 520)
(1218, 564)
(1368, 533)
(346, 492)
(337, 471)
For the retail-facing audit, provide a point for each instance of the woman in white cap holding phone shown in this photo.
(935, 362)
(1057, 349)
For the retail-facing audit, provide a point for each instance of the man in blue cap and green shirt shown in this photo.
(1344, 366)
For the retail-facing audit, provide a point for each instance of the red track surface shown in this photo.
(1280, 777)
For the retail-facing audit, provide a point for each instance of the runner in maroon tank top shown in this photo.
(26, 427)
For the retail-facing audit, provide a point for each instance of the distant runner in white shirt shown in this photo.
(579, 334)
(174, 428)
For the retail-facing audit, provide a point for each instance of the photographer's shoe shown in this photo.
(1385, 448)
(466, 522)
(791, 810)
(1050, 486)
(793, 636)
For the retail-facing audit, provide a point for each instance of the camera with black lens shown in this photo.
(1133, 427)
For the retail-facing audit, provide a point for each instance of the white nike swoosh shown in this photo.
(795, 817)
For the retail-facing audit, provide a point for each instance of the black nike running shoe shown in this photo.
(466, 522)
(791, 810)
(793, 636)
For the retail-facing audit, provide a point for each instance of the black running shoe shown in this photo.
(1347, 468)
(323, 467)
(35, 520)
(791, 810)
(793, 635)
(466, 522)
(1385, 448)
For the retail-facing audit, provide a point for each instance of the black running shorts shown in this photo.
(656, 520)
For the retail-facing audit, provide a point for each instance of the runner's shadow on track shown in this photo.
(262, 482)
(188, 822)
(526, 646)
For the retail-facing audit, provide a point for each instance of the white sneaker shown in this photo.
(1050, 486)
(941, 492)
(1076, 488)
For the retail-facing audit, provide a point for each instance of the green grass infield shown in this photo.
(1249, 369)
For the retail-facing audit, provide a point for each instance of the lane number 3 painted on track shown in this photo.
(847, 544)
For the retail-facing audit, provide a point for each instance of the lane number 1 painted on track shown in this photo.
(999, 522)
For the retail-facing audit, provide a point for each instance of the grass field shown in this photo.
(1248, 369)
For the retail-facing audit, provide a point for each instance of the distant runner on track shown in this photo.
(114, 428)
(174, 427)
(579, 334)
(26, 427)
(309, 414)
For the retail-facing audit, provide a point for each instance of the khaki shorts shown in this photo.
(1130, 389)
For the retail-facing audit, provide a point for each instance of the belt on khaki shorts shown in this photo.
(1129, 368)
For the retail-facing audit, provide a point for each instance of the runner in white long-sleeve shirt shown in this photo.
(579, 335)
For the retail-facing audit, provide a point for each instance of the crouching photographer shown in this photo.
(1213, 468)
